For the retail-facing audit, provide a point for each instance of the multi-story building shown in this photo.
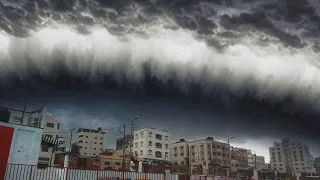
(290, 156)
(152, 144)
(250, 158)
(210, 156)
(240, 156)
(124, 142)
(89, 142)
(259, 162)
(179, 152)
(51, 130)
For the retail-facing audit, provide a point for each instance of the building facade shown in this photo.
(152, 144)
(89, 142)
(250, 158)
(179, 152)
(210, 156)
(240, 156)
(259, 162)
(51, 130)
(290, 156)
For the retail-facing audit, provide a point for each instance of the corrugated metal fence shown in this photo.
(29, 172)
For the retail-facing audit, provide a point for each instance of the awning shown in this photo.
(51, 141)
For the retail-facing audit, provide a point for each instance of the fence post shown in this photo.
(97, 175)
(30, 177)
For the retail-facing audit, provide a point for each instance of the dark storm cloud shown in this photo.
(208, 95)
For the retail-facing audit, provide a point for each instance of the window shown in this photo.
(150, 152)
(94, 148)
(142, 134)
(166, 138)
(86, 136)
(158, 154)
(44, 148)
(117, 163)
(96, 137)
(136, 144)
(158, 136)
(166, 154)
(159, 145)
(107, 163)
(58, 126)
(150, 143)
(17, 119)
(141, 143)
(80, 136)
(136, 136)
(167, 146)
(141, 152)
(80, 141)
(150, 134)
(50, 125)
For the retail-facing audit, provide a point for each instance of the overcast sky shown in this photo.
(242, 68)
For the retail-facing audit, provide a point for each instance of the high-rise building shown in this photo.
(124, 142)
(89, 142)
(290, 156)
(152, 144)
(259, 162)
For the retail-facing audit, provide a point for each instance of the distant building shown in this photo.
(123, 142)
(89, 142)
(209, 156)
(250, 158)
(290, 156)
(259, 162)
(240, 156)
(179, 152)
(152, 144)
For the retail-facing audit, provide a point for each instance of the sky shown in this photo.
(197, 68)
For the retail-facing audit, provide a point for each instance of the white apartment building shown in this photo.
(290, 156)
(152, 144)
(179, 152)
(90, 142)
(51, 130)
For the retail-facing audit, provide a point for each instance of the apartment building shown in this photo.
(250, 158)
(240, 156)
(90, 142)
(290, 156)
(213, 157)
(152, 144)
(51, 130)
(179, 152)
(259, 162)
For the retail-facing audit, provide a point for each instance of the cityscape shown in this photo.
(153, 148)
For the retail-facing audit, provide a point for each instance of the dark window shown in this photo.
(50, 125)
(150, 143)
(159, 145)
(107, 163)
(17, 119)
(117, 163)
(58, 126)
(44, 148)
(158, 154)
(95, 137)
(158, 136)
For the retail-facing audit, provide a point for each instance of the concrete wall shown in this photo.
(25, 144)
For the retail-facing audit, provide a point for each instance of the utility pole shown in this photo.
(124, 149)
(24, 110)
(71, 139)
